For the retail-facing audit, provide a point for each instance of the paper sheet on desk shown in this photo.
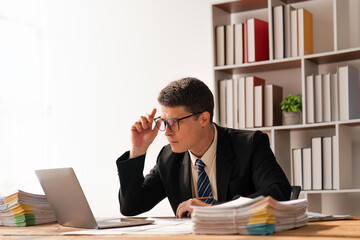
(160, 226)
(316, 217)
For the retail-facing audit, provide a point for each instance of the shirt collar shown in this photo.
(209, 155)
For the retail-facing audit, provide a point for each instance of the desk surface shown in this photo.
(344, 229)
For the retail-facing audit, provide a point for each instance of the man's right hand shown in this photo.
(142, 134)
(184, 209)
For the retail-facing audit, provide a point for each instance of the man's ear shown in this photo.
(204, 119)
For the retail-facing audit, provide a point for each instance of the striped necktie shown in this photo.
(203, 184)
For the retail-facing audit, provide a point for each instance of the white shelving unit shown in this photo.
(336, 38)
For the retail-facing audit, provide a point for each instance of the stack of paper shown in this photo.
(22, 209)
(259, 216)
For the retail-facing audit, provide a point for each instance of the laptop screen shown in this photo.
(66, 197)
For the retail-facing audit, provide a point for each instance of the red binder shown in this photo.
(258, 40)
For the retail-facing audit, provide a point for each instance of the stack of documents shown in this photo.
(259, 216)
(22, 209)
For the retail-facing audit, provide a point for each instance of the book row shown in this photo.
(242, 42)
(246, 102)
(333, 96)
(292, 31)
(314, 168)
(249, 41)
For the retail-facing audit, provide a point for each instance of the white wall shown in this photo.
(78, 73)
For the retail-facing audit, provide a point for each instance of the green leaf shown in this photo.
(292, 103)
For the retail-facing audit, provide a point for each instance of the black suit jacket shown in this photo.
(245, 166)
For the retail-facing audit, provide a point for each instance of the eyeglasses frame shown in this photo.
(177, 120)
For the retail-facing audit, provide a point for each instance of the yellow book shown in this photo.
(305, 28)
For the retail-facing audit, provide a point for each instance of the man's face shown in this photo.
(189, 135)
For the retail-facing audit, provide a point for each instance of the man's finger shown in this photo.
(178, 210)
(144, 122)
(152, 114)
(180, 213)
(137, 126)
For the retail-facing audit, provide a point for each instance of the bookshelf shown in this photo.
(336, 42)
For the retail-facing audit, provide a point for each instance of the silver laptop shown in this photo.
(69, 203)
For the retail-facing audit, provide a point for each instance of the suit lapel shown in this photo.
(185, 178)
(224, 167)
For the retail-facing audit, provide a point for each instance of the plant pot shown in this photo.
(291, 118)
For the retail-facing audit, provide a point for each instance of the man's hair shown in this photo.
(189, 92)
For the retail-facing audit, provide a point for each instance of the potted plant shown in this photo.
(291, 108)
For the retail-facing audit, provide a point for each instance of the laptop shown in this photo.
(69, 203)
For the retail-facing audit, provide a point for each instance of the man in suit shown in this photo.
(234, 162)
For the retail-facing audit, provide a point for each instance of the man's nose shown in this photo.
(168, 131)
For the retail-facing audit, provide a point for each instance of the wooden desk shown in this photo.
(344, 229)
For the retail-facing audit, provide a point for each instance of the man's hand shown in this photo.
(142, 134)
(184, 209)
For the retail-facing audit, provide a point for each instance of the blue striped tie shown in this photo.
(203, 184)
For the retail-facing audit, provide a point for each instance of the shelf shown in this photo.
(270, 65)
(335, 56)
(330, 191)
(249, 5)
(294, 1)
(288, 63)
(353, 122)
(242, 6)
(336, 43)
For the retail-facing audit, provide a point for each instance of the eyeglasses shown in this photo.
(172, 123)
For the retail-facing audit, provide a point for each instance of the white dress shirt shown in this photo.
(209, 158)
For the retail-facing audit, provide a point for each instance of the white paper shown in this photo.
(160, 226)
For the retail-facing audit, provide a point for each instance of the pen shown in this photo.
(200, 198)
